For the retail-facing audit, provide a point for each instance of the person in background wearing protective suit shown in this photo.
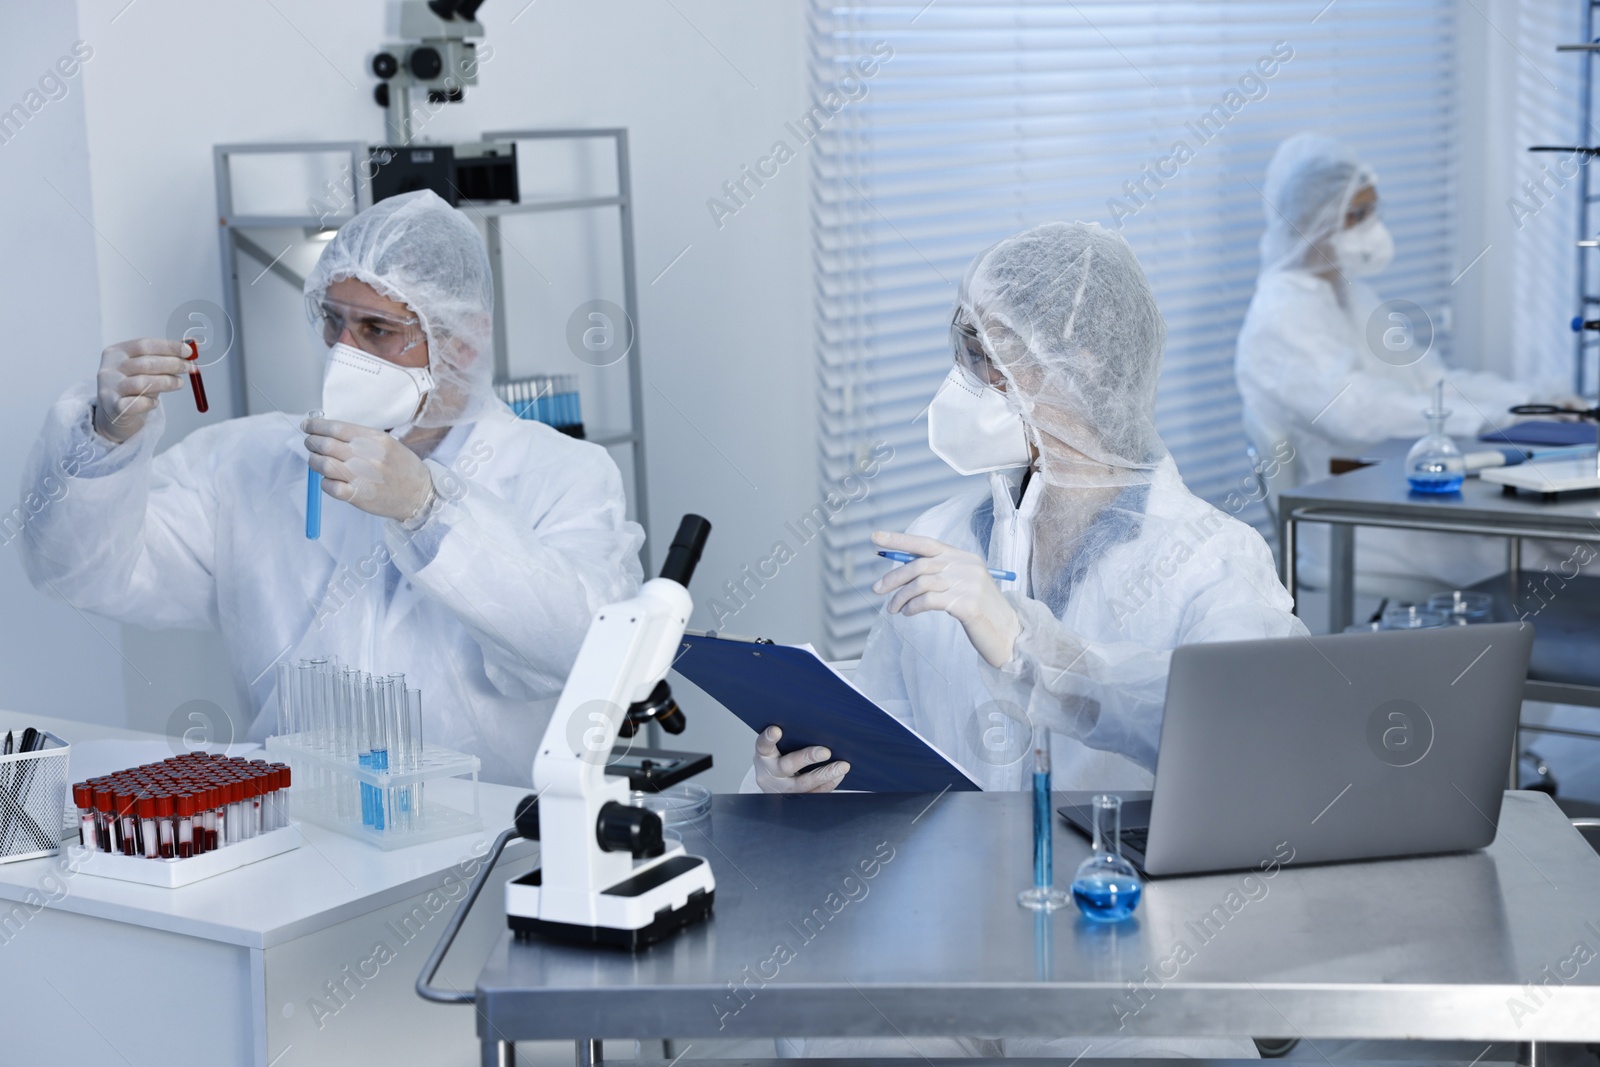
(1058, 343)
(1312, 382)
(470, 548)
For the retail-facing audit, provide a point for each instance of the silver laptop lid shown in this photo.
(1346, 746)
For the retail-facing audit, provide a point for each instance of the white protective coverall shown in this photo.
(1310, 375)
(1118, 564)
(483, 606)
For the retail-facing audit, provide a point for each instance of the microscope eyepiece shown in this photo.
(687, 544)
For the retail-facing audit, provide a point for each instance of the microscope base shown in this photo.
(661, 899)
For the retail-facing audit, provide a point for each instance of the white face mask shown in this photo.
(369, 391)
(973, 429)
(1364, 249)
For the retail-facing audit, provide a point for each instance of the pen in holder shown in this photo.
(33, 799)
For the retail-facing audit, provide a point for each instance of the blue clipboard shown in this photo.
(767, 685)
(1545, 432)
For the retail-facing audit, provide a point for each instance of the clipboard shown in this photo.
(765, 685)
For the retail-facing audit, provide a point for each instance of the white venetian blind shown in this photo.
(993, 116)
(1549, 91)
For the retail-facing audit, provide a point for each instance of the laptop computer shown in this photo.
(1339, 747)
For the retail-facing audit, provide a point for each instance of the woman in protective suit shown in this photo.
(1057, 343)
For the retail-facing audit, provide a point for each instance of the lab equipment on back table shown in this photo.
(1435, 464)
(1551, 476)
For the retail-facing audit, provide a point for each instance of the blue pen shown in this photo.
(906, 557)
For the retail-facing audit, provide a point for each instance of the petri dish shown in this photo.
(1413, 617)
(1363, 628)
(1463, 606)
(677, 805)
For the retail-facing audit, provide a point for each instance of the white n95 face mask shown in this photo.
(369, 391)
(1364, 249)
(973, 429)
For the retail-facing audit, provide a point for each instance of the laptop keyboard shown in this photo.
(1136, 838)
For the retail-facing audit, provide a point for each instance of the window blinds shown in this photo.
(943, 126)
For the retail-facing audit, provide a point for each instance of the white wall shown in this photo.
(1489, 161)
(703, 85)
(53, 661)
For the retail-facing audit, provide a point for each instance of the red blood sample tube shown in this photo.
(83, 797)
(103, 808)
(195, 383)
(183, 815)
(251, 803)
(234, 831)
(127, 826)
(146, 809)
(216, 815)
(164, 825)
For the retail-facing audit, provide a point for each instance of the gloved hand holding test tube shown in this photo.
(195, 384)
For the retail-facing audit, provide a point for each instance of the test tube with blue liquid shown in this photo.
(313, 497)
(1042, 895)
(1106, 887)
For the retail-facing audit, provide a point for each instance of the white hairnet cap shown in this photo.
(1066, 313)
(417, 249)
(1310, 183)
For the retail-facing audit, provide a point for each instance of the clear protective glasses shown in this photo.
(375, 332)
(970, 355)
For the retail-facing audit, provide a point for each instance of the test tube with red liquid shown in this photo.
(195, 383)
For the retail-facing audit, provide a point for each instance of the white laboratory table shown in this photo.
(308, 957)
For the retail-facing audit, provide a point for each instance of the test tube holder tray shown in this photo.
(174, 873)
(327, 793)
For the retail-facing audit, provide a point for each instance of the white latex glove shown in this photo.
(956, 582)
(132, 377)
(777, 774)
(368, 468)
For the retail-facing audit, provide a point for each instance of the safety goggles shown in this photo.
(1356, 214)
(970, 356)
(374, 332)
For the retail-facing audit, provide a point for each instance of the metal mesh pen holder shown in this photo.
(33, 798)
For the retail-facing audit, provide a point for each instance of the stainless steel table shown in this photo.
(884, 915)
(1378, 496)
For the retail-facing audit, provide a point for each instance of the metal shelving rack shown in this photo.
(234, 234)
(1587, 342)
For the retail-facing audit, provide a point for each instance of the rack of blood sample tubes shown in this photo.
(355, 743)
(182, 807)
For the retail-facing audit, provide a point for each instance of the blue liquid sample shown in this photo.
(1448, 484)
(313, 504)
(1107, 899)
(1042, 858)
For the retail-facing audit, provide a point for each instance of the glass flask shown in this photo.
(1042, 895)
(1106, 886)
(1434, 464)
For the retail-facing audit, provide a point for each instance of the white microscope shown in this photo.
(606, 876)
